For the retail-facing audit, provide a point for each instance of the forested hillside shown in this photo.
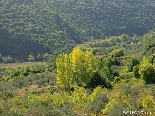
(92, 80)
(55, 26)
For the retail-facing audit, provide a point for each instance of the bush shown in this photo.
(18, 101)
(117, 53)
(136, 71)
(80, 100)
(146, 101)
(147, 72)
(45, 98)
(98, 90)
(96, 106)
(131, 63)
(60, 99)
(117, 110)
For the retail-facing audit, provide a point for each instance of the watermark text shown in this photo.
(136, 112)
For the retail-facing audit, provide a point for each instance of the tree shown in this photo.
(77, 68)
(116, 61)
(131, 63)
(39, 57)
(9, 59)
(77, 58)
(31, 58)
(151, 59)
(117, 53)
(147, 72)
(124, 37)
(5, 59)
(64, 74)
(107, 70)
(136, 71)
(145, 60)
(46, 56)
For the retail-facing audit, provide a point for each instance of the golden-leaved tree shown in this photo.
(77, 68)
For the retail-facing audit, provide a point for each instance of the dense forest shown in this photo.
(86, 57)
(32, 27)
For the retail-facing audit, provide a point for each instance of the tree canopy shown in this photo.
(56, 26)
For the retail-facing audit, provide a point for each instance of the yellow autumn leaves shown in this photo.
(76, 68)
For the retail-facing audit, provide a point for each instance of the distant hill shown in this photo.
(56, 26)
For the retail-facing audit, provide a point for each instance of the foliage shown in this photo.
(117, 109)
(57, 26)
(77, 68)
(98, 104)
(32, 99)
(60, 99)
(107, 70)
(92, 79)
(134, 95)
(45, 98)
(147, 72)
(26, 70)
(80, 99)
(18, 101)
(98, 90)
(146, 101)
(131, 63)
(124, 37)
(136, 71)
(31, 58)
(117, 53)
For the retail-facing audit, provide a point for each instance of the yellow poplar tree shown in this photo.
(91, 65)
(64, 71)
(77, 64)
(76, 68)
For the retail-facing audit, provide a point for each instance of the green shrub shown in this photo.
(136, 71)
(80, 100)
(32, 99)
(18, 101)
(99, 104)
(147, 72)
(45, 98)
(60, 99)
(116, 110)
(131, 63)
(117, 53)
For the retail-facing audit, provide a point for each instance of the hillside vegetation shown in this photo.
(98, 57)
(87, 81)
(56, 26)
